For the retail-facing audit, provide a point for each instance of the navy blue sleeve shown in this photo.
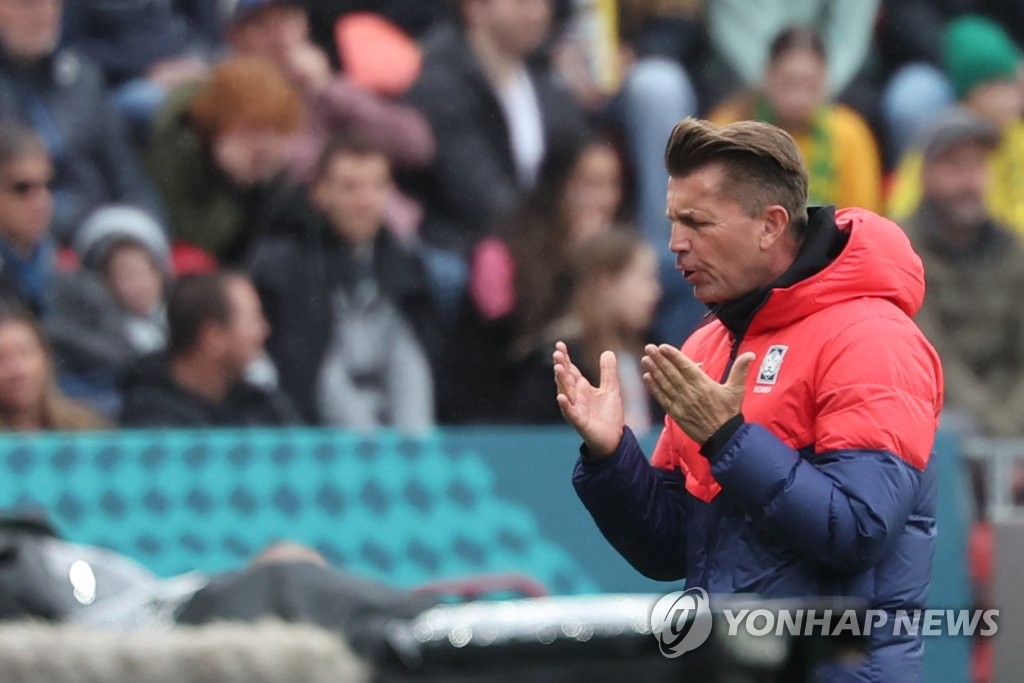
(842, 509)
(639, 508)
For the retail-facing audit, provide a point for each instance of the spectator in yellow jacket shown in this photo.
(837, 146)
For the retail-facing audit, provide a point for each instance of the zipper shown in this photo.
(734, 351)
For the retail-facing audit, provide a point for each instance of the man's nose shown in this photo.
(678, 241)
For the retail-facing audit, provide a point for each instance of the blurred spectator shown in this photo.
(637, 77)
(349, 304)
(62, 96)
(975, 276)
(278, 30)
(494, 114)
(910, 46)
(219, 150)
(984, 67)
(29, 398)
(145, 48)
(521, 279)
(838, 148)
(911, 41)
(27, 252)
(216, 332)
(742, 34)
(111, 310)
(611, 309)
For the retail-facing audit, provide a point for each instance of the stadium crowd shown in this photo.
(382, 214)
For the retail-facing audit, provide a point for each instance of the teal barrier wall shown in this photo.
(459, 503)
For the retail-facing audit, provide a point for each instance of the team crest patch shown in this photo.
(772, 363)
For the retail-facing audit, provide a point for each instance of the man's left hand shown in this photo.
(697, 403)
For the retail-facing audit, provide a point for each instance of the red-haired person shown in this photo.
(219, 148)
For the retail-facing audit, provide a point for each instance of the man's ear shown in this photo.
(776, 221)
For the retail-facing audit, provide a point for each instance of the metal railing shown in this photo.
(998, 459)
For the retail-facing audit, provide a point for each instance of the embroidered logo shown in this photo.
(772, 364)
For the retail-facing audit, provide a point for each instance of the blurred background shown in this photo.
(280, 280)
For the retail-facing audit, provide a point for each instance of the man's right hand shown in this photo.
(597, 413)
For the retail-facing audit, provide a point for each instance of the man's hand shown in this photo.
(596, 412)
(697, 403)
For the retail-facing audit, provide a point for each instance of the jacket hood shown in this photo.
(877, 262)
(111, 224)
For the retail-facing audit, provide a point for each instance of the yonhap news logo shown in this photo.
(681, 621)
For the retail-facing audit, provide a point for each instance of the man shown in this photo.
(62, 96)
(494, 116)
(27, 254)
(809, 475)
(216, 332)
(349, 304)
(975, 275)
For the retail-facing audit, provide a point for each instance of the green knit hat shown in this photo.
(977, 50)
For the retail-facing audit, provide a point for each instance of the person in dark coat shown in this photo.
(62, 95)
(809, 473)
(27, 249)
(354, 331)
(494, 113)
(216, 332)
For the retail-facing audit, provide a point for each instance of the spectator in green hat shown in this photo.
(985, 68)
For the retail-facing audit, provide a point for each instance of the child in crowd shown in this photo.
(110, 311)
(616, 291)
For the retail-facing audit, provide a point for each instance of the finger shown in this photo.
(571, 412)
(662, 381)
(659, 394)
(561, 357)
(659, 364)
(609, 372)
(565, 383)
(686, 367)
(740, 370)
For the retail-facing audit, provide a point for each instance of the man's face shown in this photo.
(518, 26)
(26, 204)
(247, 330)
(956, 181)
(720, 249)
(30, 29)
(353, 193)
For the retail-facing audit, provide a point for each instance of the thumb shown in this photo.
(609, 371)
(740, 369)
